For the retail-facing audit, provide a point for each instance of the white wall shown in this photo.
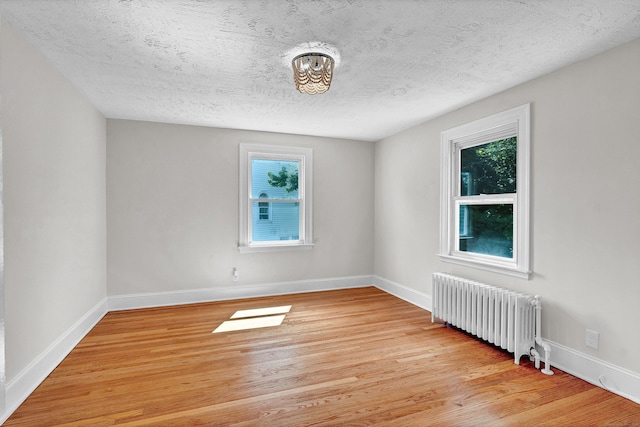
(172, 202)
(585, 202)
(54, 199)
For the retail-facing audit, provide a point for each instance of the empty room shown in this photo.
(288, 213)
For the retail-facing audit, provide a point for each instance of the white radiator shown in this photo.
(508, 319)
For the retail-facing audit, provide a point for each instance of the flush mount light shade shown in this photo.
(312, 72)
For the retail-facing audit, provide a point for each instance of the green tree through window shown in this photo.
(286, 178)
(491, 167)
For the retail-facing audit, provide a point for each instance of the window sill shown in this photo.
(275, 248)
(484, 265)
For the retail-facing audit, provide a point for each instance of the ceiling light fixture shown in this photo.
(312, 72)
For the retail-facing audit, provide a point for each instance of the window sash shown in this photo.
(277, 242)
(487, 200)
(460, 148)
(299, 159)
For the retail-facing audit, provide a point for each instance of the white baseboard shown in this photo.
(412, 296)
(26, 382)
(159, 299)
(595, 371)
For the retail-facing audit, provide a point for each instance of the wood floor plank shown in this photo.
(348, 357)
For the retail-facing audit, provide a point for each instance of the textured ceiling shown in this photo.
(225, 63)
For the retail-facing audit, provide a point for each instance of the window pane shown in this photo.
(489, 168)
(284, 222)
(489, 229)
(277, 178)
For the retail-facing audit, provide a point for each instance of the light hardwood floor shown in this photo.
(351, 357)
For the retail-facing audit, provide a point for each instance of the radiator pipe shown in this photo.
(536, 356)
(547, 348)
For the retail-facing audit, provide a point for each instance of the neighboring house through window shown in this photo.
(275, 198)
(485, 193)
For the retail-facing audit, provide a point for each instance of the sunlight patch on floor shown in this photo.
(251, 323)
(254, 319)
(261, 312)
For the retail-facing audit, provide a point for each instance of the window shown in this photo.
(275, 198)
(485, 193)
(263, 208)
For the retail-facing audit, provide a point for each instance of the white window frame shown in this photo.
(304, 156)
(513, 122)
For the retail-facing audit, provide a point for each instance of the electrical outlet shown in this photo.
(592, 338)
(235, 276)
